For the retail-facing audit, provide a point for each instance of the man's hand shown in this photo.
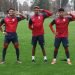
(41, 10)
(67, 13)
(20, 14)
(71, 12)
(5, 33)
(17, 13)
(55, 33)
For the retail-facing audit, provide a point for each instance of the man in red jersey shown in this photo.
(36, 25)
(61, 33)
(11, 23)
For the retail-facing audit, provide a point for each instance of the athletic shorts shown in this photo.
(39, 39)
(11, 37)
(58, 41)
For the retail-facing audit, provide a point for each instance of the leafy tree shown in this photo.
(43, 4)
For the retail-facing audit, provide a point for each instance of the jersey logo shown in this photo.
(13, 20)
(7, 20)
(38, 17)
(64, 20)
(58, 21)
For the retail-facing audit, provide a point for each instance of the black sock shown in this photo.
(3, 54)
(42, 47)
(17, 53)
(67, 53)
(55, 53)
(43, 50)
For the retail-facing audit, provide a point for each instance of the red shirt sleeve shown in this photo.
(46, 13)
(72, 18)
(20, 18)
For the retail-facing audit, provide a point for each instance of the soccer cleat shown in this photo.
(45, 60)
(53, 61)
(2, 62)
(69, 62)
(19, 62)
(33, 61)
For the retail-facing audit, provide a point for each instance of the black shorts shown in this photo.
(59, 40)
(11, 37)
(39, 39)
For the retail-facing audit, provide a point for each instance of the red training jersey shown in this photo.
(11, 23)
(62, 26)
(36, 22)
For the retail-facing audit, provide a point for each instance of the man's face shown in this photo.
(61, 13)
(11, 12)
(36, 11)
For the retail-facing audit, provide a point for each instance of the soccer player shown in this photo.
(61, 32)
(36, 26)
(11, 23)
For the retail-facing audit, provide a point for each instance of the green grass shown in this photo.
(39, 68)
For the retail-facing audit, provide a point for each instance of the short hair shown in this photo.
(61, 9)
(36, 7)
(10, 9)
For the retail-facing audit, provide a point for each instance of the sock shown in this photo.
(55, 52)
(68, 59)
(33, 57)
(17, 53)
(67, 52)
(45, 58)
(3, 54)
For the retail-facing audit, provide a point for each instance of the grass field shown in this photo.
(39, 68)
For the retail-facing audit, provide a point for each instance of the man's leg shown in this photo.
(5, 46)
(16, 46)
(4, 51)
(41, 43)
(56, 44)
(44, 52)
(33, 53)
(65, 44)
(34, 43)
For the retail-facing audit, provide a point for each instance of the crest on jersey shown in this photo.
(38, 17)
(64, 20)
(13, 20)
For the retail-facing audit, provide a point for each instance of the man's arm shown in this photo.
(21, 16)
(30, 25)
(51, 27)
(72, 17)
(46, 13)
(1, 23)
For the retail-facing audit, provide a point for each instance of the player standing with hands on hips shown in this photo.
(11, 23)
(61, 33)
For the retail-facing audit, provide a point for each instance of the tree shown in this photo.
(13, 4)
(43, 4)
(25, 6)
(6, 4)
(63, 3)
(0, 5)
(74, 4)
